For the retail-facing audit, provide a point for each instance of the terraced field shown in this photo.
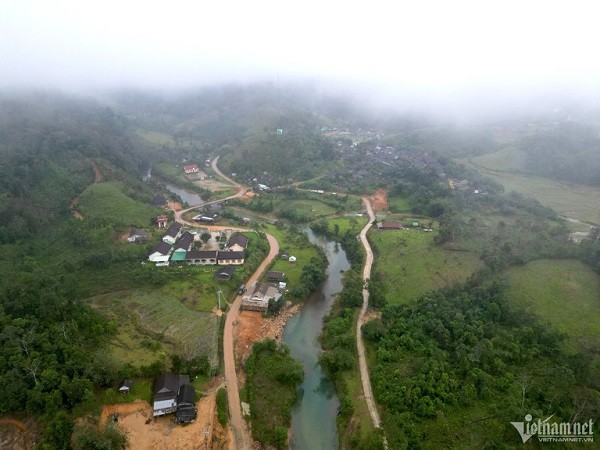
(164, 321)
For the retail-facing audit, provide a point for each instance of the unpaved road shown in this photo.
(241, 435)
(240, 193)
(362, 361)
(238, 425)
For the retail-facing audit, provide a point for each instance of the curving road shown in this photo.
(241, 435)
(240, 193)
(362, 361)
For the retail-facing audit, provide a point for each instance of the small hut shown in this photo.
(125, 386)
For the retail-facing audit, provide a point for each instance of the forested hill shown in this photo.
(46, 144)
(257, 128)
(569, 152)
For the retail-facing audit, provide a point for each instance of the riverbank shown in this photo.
(251, 327)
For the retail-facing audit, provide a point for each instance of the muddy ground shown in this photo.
(379, 200)
(161, 433)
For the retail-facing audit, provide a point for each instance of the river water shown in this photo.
(189, 197)
(313, 419)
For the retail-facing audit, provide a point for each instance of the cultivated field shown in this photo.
(163, 317)
(563, 293)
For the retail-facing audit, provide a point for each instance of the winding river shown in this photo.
(314, 418)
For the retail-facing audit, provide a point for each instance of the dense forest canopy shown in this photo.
(46, 143)
(569, 152)
(468, 348)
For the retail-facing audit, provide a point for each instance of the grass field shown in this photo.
(412, 264)
(108, 201)
(155, 322)
(354, 224)
(309, 208)
(141, 390)
(297, 246)
(570, 200)
(563, 293)
(508, 159)
(398, 204)
(172, 173)
(199, 291)
(156, 137)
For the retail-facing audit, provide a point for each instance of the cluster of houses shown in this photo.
(178, 246)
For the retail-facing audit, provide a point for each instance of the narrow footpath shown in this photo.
(362, 361)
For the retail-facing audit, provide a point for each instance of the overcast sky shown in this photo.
(436, 48)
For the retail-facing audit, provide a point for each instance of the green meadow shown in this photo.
(563, 293)
(108, 202)
(567, 199)
(412, 264)
(296, 245)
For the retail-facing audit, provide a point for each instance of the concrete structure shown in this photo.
(258, 296)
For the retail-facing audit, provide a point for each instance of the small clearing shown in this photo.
(161, 433)
(379, 200)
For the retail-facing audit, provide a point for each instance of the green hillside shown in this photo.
(563, 293)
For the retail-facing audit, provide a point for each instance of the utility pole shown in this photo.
(219, 293)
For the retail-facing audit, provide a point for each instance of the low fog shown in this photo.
(460, 59)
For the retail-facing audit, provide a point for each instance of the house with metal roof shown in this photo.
(166, 390)
(173, 233)
(258, 296)
(231, 258)
(160, 253)
(201, 257)
(237, 243)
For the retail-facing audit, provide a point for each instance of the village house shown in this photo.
(201, 257)
(182, 246)
(390, 226)
(190, 168)
(162, 221)
(237, 243)
(233, 258)
(125, 386)
(138, 236)
(173, 233)
(172, 392)
(207, 218)
(186, 404)
(160, 253)
(225, 273)
(275, 276)
(258, 296)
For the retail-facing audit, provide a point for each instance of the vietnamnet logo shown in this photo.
(555, 431)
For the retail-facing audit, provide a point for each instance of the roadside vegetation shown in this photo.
(273, 378)
(464, 354)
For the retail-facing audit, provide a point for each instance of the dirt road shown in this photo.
(238, 425)
(362, 361)
(241, 436)
(240, 193)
